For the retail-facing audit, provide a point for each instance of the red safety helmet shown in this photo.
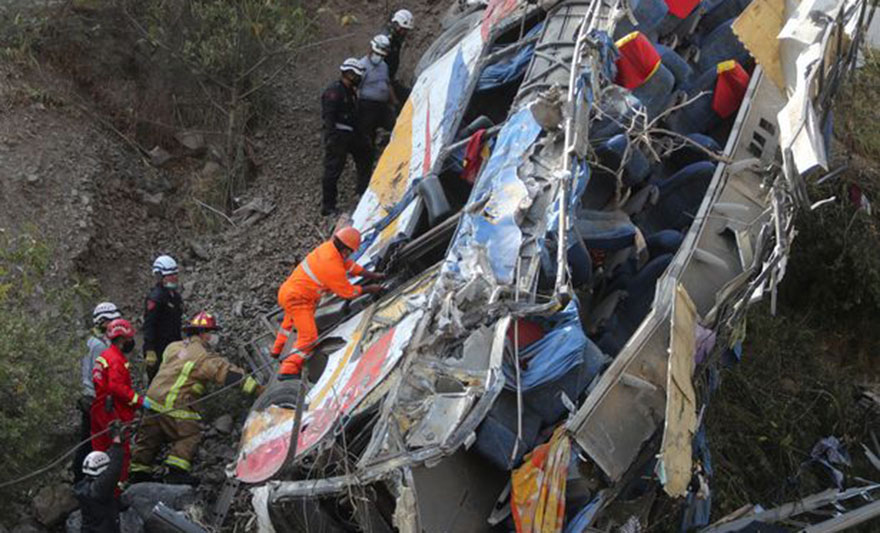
(203, 321)
(119, 327)
(350, 237)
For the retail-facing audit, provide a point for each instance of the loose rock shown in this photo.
(159, 156)
(223, 424)
(53, 503)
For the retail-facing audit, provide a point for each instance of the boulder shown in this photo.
(53, 503)
(142, 497)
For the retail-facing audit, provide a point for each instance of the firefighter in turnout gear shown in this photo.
(163, 312)
(323, 271)
(341, 136)
(187, 367)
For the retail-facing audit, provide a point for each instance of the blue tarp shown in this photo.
(499, 192)
(563, 347)
(510, 68)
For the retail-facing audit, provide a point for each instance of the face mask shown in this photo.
(128, 346)
(375, 58)
(213, 340)
(171, 285)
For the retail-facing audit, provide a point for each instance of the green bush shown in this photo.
(39, 351)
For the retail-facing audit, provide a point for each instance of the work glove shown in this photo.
(251, 386)
(151, 358)
(148, 404)
(372, 289)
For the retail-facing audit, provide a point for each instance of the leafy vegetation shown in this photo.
(802, 369)
(39, 351)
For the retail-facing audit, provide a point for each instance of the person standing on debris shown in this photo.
(163, 312)
(339, 104)
(187, 366)
(115, 398)
(324, 270)
(376, 96)
(96, 488)
(397, 29)
(102, 315)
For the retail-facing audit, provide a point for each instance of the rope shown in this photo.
(138, 420)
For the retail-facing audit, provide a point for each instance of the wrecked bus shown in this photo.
(577, 203)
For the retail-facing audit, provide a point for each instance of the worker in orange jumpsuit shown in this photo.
(324, 270)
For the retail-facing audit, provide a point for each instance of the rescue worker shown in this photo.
(115, 399)
(376, 98)
(397, 29)
(339, 116)
(324, 270)
(163, 312)
(104, 312)
(187, 366)
(96, 488)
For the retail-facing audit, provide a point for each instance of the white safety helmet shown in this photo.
(165, 265)
(381, 44)
(95, 463)
(105, 312)
(403, 18)
(353, 65)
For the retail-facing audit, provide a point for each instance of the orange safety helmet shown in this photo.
(350, 237)
(119, 327)
(203, 321)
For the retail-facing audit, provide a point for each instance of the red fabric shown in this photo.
(528, 333)
(473, 156)
(637, 62)
(681, 8)
(112, 379)
(730, 88)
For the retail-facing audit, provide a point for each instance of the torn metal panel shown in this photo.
(674, 464)
(757, 28)
(260, 504)
(440, 419)
(803, 508)
(497, 201)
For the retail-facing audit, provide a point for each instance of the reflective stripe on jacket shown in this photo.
(323, 270)
(638, 60)
(186, 368)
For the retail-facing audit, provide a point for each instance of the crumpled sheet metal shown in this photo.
(490, 219)
(803, 43)
(674, 465)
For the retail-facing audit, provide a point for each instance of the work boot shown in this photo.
(176, 476)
